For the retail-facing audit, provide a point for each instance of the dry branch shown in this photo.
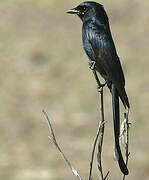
(53, 139)
(99, 136)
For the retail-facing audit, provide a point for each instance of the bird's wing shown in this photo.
(103, 46)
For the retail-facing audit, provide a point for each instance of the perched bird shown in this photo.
(100, 49)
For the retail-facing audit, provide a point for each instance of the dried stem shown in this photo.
(100, 131)
(99, 159)
(125, 129)
(93, 149)
(53, 139)
(99, 135)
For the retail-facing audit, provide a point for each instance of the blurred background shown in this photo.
(43, 66)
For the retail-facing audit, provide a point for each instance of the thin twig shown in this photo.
(53, 139)
(99, 157)
(100, 130)
(127, 125)
(93, 149)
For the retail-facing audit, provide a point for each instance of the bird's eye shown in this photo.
(84, 8)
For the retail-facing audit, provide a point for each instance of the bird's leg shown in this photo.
(100, 86)
(91, 65)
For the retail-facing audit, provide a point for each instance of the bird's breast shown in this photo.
(87, 46)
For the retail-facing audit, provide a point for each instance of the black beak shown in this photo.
(73, 11)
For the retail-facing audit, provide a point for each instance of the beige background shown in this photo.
(43, 65)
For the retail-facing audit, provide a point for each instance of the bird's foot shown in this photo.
(100, 88)
(91, 65)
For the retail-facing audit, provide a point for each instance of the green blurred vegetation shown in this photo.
(43, 66)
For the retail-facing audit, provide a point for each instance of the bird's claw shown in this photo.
(91, 65)
(99, 88)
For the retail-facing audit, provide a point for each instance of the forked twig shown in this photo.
(99, 135)
(93, 149)
(100, 131)
(99, 157)
(53, 139)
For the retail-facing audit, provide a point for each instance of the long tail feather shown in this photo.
(116, 119)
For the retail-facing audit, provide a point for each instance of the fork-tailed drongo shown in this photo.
(99, 47)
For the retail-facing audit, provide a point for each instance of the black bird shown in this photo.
(100, 49)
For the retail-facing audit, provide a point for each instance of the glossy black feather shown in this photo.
(99, 47)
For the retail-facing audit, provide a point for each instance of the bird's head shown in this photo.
(88, 10)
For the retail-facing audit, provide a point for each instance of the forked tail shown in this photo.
(116, 120)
